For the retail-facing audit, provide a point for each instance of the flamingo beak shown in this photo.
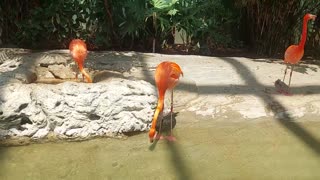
(313, 17)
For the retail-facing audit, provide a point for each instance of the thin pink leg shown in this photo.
(291, 74)
(285, 72)
(158, 136)
(171, 137)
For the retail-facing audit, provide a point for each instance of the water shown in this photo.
(205, 149)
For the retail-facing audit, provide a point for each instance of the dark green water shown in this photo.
(205, 149)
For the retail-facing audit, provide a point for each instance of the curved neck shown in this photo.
(304, 33)
(158, 110)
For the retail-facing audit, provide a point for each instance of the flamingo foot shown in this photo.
(286, 93)
(171, 138)
(282, 88)
(159, 137)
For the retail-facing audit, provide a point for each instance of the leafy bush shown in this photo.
(202, 20)
(122, 23)
(271, 25)
(209, 21)
(59, 21)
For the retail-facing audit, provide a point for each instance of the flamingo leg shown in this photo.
(158, 135)
(77, 71)
(292, 66)
(76, 75)
(285, 72)
(171, 112)
(171, 137)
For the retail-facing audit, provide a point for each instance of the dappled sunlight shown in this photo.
(224, 146)
(159, 89)
(267, 94)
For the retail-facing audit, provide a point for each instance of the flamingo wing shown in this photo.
(166, 76)
(175, 73)
(78, 49)
(293, 54)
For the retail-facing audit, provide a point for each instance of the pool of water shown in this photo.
(205, 149)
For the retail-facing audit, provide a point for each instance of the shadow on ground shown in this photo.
(265, 93)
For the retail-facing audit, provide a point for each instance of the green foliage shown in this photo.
(268, 26)
(271, 25)
(207, 21)
(62, 20)
(124, 23)
(130, 20)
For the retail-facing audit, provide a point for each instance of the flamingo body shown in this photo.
(78, 50)
(166, 77)
(294, 53)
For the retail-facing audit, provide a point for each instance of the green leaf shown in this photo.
(58, 19)
(74, 18)
(173, 12)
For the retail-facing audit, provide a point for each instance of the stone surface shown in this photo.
(123, 97)
(238, 89)
(60, 71)
(110, 107)
(77, 109)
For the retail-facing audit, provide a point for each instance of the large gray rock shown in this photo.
(112, 106)
(120, 100)
(61, 72)
(72, 110)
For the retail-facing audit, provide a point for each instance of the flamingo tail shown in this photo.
(89, 80)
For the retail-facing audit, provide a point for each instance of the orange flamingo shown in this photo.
(294, 53)
(78, 50)
(166, 76)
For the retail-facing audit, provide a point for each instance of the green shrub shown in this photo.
(270, 26)
(122, 23)
(59, 21)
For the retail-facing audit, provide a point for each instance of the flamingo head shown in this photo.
(309, 16)
(152, 133)
(176, 69)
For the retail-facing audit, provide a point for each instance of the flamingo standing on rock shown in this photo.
(166, 76)
(78, 50)
(294, 53)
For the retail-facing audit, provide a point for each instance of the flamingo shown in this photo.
(78, 50)
(294, 53)
(166, 77)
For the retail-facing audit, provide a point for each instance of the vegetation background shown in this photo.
(265, 27)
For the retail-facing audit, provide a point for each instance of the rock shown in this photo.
(14, 132)
(77, 110)
(9, 67)
(26, 76)
(29, 130)
(43, 72)
(60, 130)
(48, 59)
(61, 71)
(3, 133)
(73, 132)
(41, 133)
(94, 126)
